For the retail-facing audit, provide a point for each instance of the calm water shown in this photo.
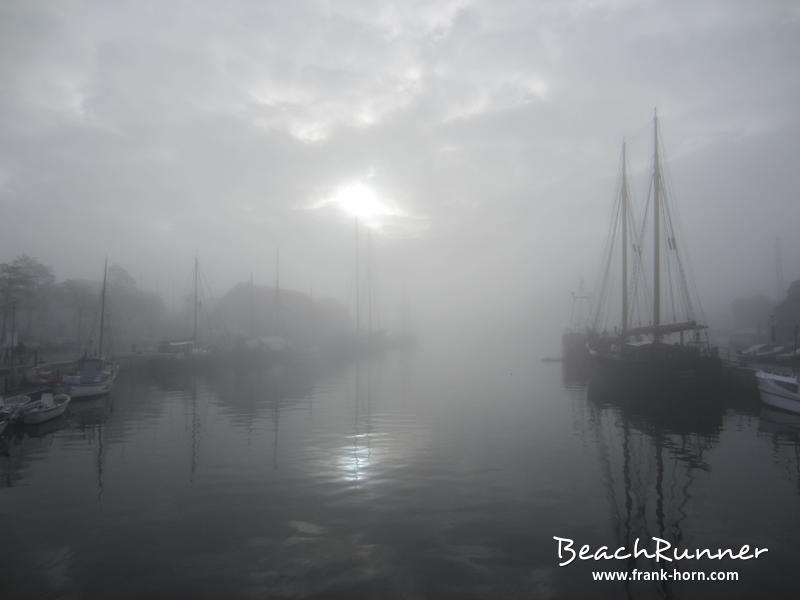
(417, 476)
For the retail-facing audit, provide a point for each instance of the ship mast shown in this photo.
(369, 281)
(624, 199)
(358, 285)
(103, 309)
(278, 311)
(656, 231)
(194, 328)
(251, 305)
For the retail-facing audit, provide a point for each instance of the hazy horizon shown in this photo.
(478, 142)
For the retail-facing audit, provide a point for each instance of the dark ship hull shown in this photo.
(657, 363)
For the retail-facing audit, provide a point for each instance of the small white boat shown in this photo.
(48, 407)
(779, 391)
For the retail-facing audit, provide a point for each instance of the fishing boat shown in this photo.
(644, 343)
(49, 406)
(779, 391)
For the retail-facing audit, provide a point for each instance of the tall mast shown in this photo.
(278, 324)
(358, 285)
(624, 200)
(251, 304)
(779, 271)
(656, 228)
(13, 331)
(194, 296)
(369, 281)
(103, 308)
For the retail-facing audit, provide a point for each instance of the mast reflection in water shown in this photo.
(412, 476)
(651, 463)
(681, 464)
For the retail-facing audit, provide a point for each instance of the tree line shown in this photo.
(40, 311)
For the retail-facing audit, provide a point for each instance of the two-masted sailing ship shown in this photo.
(658, 335)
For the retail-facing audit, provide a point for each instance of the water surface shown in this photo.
(413, 476)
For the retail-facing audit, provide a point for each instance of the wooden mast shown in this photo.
(194, 295)
(358, 283)
(656, 230)
(624, 200)
(369, 281)
(251, 305)
(103, 309)
(278, 311)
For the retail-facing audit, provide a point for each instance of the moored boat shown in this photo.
(48, 407)
(645, 345)
(95, 377)
(779, 391)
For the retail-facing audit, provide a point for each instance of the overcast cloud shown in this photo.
(151, 130)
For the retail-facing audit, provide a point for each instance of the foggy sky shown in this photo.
(149, 131)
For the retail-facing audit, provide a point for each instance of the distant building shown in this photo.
(255, 312)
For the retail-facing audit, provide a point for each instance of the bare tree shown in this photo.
(25, 281)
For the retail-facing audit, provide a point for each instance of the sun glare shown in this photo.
(362, 202)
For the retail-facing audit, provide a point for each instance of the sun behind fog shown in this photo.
(362, 202)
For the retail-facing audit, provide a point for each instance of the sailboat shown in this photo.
(95, 375)
(185, 350)
(643, 344)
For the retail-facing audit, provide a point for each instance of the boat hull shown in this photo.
(91, 385)
(658, 368)
(89, 390)
(39, 414)
(774, 395)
